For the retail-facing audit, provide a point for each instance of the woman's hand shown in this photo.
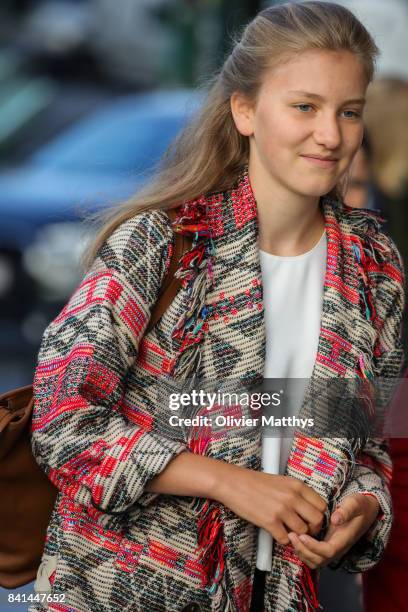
(278, 504)
(348, 523)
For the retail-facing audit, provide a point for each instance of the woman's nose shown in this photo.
(327, 132)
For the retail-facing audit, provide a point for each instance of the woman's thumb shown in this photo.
(347, 510)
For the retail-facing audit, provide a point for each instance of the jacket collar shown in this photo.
(224, 228)
(345, 329)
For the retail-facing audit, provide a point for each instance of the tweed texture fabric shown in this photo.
(100, 434)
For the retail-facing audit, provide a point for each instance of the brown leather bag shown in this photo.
(27, 495)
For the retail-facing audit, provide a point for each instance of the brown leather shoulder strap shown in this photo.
(171, 284)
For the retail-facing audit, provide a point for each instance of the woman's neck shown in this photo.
(289, 224)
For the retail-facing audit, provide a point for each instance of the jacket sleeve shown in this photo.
(373, 470)
(80, 435)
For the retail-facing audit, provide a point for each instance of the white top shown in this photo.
(293, 297)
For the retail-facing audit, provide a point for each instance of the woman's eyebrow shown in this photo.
(317, 97)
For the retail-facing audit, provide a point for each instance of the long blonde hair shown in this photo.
(210, 152)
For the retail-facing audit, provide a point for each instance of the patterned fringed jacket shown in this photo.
(100, 434)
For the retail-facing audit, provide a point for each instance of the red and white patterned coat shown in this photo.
(100, 433)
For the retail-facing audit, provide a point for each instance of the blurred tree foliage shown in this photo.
(136, 43)
(202, 33)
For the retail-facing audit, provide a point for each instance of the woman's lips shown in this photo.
(322, 163)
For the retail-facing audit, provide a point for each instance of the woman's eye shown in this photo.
(352, 114)
(303, 107)
(349, 114)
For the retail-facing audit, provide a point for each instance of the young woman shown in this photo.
(281, 281)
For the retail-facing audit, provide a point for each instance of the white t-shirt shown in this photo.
(293, 297)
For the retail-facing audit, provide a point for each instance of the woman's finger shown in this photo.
(293, 522)
(325, 549)
(350, 508)
(310, 515)
(278, 532)
(305, 554)
(337, 541)
(313, 498)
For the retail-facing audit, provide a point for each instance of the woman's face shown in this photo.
(309, 107)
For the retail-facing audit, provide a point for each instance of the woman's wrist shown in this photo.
(193, 475)
(225, 476)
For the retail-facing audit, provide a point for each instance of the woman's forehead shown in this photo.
(322, 72)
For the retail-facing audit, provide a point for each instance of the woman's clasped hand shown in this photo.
(348, 524)
(292, 512)
(278, 504)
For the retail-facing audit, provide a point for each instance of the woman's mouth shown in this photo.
(321, 163)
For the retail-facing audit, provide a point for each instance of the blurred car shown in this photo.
(101, 159)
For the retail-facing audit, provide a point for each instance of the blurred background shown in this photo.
(91, 94)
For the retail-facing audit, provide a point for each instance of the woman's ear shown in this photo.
(242, 112)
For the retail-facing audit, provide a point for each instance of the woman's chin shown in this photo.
(316, 191)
